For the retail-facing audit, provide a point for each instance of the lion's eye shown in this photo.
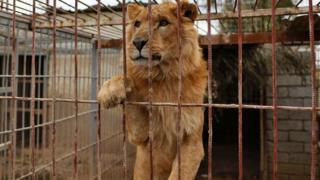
(163, 22)
(137, 24)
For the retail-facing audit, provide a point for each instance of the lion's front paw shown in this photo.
(112, 92)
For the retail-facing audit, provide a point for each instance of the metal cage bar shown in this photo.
(76, 108)
(314, 123)
(240, 70)
(98, 10)
(179, 136)
(13, 98)
(150, 109)
(210, 83)
(33, 91)
(54, 49)
(124, 106)
(274, 94)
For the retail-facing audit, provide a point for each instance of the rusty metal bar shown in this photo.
(210, 111)
(33, 91)
(12, 153)
(150, 107)
(287, 37)
(202, 17)
(54, 46)
(75, 160)
(171, 104)
(259, 13)
(98, 118)
(24, 94)
(314, 123)
(240, 67)
(179, 137)
(112, 43)
(124, 106)
(274, 93)
(290, 37)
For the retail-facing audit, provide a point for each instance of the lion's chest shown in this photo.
(162, 118)
(164, 91)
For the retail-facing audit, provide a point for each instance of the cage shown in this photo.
(261, 108)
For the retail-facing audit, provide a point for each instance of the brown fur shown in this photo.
(165, 75)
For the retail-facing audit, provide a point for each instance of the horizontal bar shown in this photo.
(202, 17)
(45, 76)
(112, 43)
(259, 38)
(232, 39)
(230, 106)
(258, 13)
(50, 99)
(246, 106)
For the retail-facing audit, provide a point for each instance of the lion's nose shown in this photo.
(139, 43)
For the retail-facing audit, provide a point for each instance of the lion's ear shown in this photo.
(133, 10)
(189, 10)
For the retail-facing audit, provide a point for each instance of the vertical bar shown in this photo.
(75, 160)
(274, 94)
(210, 111)
(94, 115)
(124, 117)
(24, 94)
(262, 132)
(37, 95)
(33, 90)
(54, 51)
(98, 87)
(179, 89)
(314, 123)
(240, 148)
(13, 97)
(150, 34)
(5, 82)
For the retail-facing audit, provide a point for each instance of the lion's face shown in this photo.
(163, 41)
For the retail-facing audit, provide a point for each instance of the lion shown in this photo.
(165, 81)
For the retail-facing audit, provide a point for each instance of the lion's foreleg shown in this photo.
(137, 126)
(142, 164)
(191, 155)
